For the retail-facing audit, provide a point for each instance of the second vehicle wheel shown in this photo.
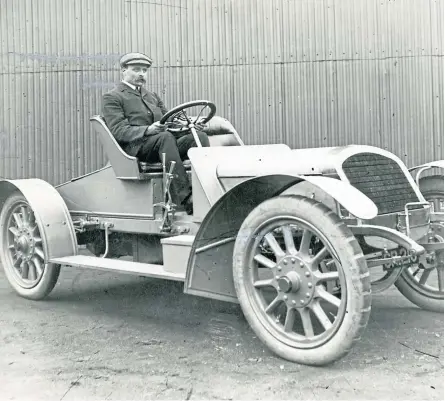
(286, 251)
(22, 252)
(423, 283)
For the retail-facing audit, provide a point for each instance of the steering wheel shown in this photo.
(178, 113)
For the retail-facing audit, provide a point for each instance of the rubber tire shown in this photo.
(51, 273)
(422, 301)
(430, 185)
(349, 253)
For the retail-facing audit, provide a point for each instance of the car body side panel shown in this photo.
(103, 193)
(207, 189)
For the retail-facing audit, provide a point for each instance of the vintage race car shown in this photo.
(293, 236)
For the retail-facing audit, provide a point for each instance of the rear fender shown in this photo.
(51, 213)
(209, 270)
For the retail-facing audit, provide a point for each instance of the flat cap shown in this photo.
(135, 58)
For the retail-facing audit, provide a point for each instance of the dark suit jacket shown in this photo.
(128, 114)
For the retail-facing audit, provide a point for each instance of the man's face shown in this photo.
(135, 74)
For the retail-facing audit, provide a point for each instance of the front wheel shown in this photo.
(287, 251)
(22, 251)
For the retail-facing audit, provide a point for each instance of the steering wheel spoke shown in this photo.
(179, 114)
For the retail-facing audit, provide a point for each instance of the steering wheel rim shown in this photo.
(180, 108)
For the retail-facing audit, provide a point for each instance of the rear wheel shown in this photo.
(287, 252)
(22, 251)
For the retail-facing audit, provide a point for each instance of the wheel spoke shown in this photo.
(274, 245)
(321, 315)
(186, 116)
(14, 231)
(264, 283)
(426, 273)
(32, 271)
(18, 220)
(328, 297)
(39, 251)
(305, 242)
(440, 278)
(331, 276)
(24, 214)
(264, 261)
(289, 240)
(31, 217)
(173, 124)
(290, 320)
(315, 261)
(273, 305)
(18, 261)
(38, 265)
(37, 240)
(25, 270)
(307, 322)
(199, 115)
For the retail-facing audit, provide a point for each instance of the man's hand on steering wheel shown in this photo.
(155, 128)
(180, 120)
(200, 124)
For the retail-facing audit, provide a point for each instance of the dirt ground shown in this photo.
(102, 336)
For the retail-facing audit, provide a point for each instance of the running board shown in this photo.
(119, 266)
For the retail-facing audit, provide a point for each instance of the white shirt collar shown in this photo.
(130, 85)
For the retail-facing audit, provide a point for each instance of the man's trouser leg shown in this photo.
(187, 141)
(151, 152)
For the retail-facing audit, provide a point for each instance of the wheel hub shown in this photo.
(24, 244)
(289, 283)
(295, 281)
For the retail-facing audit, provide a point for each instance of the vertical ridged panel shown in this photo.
(310, 104)
(206, 33)
(209, 83)
(307, 30)
(257, 103)
(304, 72)
(256, 30)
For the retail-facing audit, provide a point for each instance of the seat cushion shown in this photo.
(157, 167)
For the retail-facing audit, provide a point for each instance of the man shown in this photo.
(132, 114)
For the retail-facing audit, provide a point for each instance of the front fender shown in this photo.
(209, 270)
(51, 214)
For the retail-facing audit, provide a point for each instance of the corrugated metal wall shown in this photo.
(304, 72)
